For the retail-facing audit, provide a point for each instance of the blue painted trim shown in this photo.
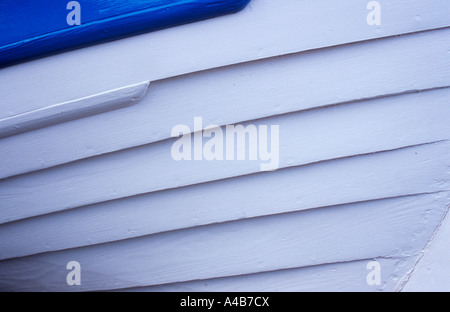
(28, 34)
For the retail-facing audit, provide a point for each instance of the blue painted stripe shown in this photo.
(32, 29)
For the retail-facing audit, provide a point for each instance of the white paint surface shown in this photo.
(345, 276)
(255, 90)
(357, 179)
(364, 167)
(332, 234)
(151, 168)
(264, 29)
(432, 272)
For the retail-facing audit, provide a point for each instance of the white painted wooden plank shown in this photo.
(334, 277)
(265, 28)
(63, 112)
(431, 273)
(305, 137)
(388, 228)
(255, 90)
(389, 174)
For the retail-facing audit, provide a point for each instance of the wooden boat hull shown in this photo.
(361, 182)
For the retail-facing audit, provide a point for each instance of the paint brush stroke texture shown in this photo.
(364, 143)
(40, 28)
